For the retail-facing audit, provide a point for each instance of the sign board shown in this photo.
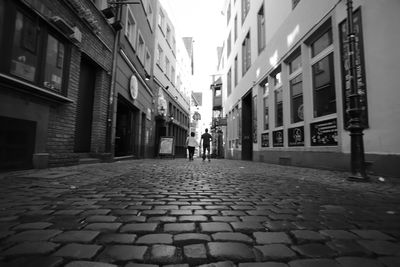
(359, 66)
(166, 146)
(277, 138)
(265, 140)
(324, 133)
(296, 136)
(133, 87)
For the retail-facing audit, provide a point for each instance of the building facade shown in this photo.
(285, 88)
(134, 92)
(173, 104)
(56, 60)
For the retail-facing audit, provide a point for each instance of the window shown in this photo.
(228, 44)
(147, 61)
(296, 97)
(236, 71)
(321, 43)
(161, 19)
(278, 100)
(141, 48)
(295, 64)
(324, 87)
(167, 67)
(172, 75)
(266, 104)
(168, 35)
(261, 29)
(149, 12)
(246, 54)
(235, 28)
(294, 3)
(35, 53)
(245, 9)
(160, 56)
(228, 14)
(130, 30)
(229, 81)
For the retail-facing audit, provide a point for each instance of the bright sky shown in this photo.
(202, 20)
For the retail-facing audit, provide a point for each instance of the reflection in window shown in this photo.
(278, 107)
(266, 113)
(24, 54)
(324, 87)
(321, 43)
(130, 30)
(261, 29)
(54, 64)
(295, 64)
(296, 95)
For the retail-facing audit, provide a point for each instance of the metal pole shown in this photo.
(355, 126)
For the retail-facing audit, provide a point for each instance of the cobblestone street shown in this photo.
(222, 213)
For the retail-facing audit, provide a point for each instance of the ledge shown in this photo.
(27, 88)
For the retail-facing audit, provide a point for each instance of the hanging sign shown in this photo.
(133, 87)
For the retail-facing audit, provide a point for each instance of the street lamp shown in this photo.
(356, 128)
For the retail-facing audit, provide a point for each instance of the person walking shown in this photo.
(191, 144)
(206, 140)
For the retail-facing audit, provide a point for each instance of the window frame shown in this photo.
(246, 53)
(261, 35)
(132, 37)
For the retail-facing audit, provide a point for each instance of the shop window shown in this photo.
(278, 107)
(296, 97)
(266, 104)
(34, 54)
(324, 87)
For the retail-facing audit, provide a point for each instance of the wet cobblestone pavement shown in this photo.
(179, 213)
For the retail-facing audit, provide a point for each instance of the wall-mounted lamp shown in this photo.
(117, 25)
(147, 77)
(166, 87)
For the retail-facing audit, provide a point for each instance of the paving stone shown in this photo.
(33, 235)
(225, 218)
(390, 261)
(4, 234)
(372, 234)
(161, 219)
(338, 234)
(131, 264)
(279, 226)
(179, 227)
(263, 264)
(166, 207)
(233, 213)
(176, 265)
(348, 248)
(314, 250)
(95, 212)
(381, 247)
(219, 264)
(272, 238)
(210, 227)
(89, 264)
(191, 238)
(139, 227)
(254, 218)
(67, 212)
(356, 262)
(78, 251)
(277, 252)
(180, 212)
(155, 239)
(35, 261)
(206, 212)
(29, 248)
(110, 238)
(76, 236)
(163, 254)
(123, 253)
(103, 227)
(216, 207)
(247, 226)
(314, 263)
(232, 237)
(132, 218)
(304, 236)
(101, 218)
(230, 251)
(154, 212)
(33, 226)
(195, 254)
(193, 218)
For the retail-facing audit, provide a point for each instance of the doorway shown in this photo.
(247, 127)
(125, 131)
(84, 111)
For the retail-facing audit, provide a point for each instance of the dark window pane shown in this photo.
(324, 87)
(278, 108)
(1, 19)
(266, 114)
(24, 58)
(321, 43)
(296, 92)
(54, 64)
(261, 29)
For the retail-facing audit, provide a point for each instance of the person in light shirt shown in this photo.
(191, 144)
